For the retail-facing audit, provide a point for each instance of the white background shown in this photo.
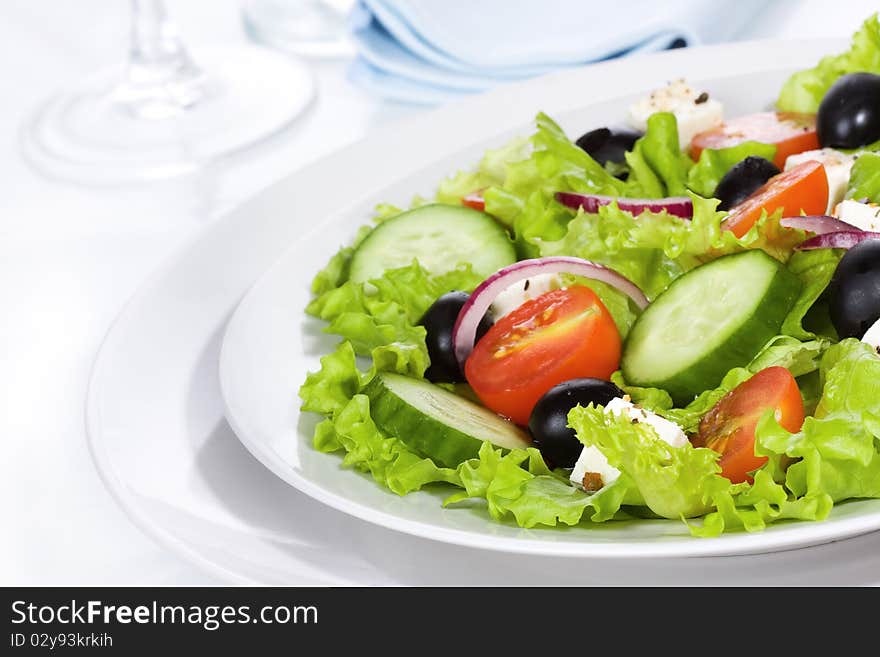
(70, 257)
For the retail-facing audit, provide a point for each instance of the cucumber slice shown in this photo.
(439, 424)
(712, 319)
(439, 237)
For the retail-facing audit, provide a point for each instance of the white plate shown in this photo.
(160, 442)
(270, 344)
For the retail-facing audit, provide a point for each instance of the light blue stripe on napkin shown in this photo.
(429, 50)
(405, 90)
(381, 51)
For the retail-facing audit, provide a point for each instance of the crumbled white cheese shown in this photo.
(668, 431)
(864, 216)
(837, 169)
(518, 293)
(592, 460)
(694, 110)
(872, 337)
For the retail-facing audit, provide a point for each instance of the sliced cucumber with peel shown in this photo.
(711, 320)
(439, 237)
(435, 422)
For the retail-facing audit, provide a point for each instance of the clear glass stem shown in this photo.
(161, 80)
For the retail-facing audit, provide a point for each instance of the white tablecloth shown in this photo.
(71, 256)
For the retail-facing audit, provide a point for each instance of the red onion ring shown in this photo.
(679, 206)
(845, 239)
(819, 224)
(464, 332)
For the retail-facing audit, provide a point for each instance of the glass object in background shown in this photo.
(167, 113)
(313, 28)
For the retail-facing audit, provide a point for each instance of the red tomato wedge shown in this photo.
(790, 132)
(729, 427)
(803, 188)
(474, 200)
(561, 335)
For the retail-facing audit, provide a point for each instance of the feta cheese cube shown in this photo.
(694, 110)
(518, 293)
(872, 337)
(837, 169)
(864, 216)
(668, 431)
(592, 460)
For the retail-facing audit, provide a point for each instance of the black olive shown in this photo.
(854, 292)
(849, 114)
(548, 423)
(742, 180)
(439, 320)
(605, 145)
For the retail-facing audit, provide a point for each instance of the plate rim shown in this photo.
(790, 536)
(93, 422)
(95, 431)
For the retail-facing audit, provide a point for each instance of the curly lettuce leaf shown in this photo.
(864, 179)
(835, 457)
(653, 249)
(380, 320)
(513, 483)
(334, 392)
(705, 175)
(837, 450)
(490, 171)
(835, 454)
(338, 269)
(610, 238)
(654, 399)
(555, 164)
(797, 357)
(330, 388)
(672, 481)
(804, 90)
(414, 289)
(751, 507)
(518, 485)
(850, 373)
(684, 482)
(704, 237)
(541, 219)
(367, 449)
(641, 175)
(520, 194)
(814, 269)
(800, 358)
(660, 149)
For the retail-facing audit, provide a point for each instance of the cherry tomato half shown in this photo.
(790, 132)
(561, 335)
(801, 188)
(729, 427)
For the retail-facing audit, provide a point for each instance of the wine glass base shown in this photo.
(83, 135)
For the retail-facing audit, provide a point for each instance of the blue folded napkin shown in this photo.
(431, 51)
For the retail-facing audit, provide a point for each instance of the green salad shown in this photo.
(677, 317)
